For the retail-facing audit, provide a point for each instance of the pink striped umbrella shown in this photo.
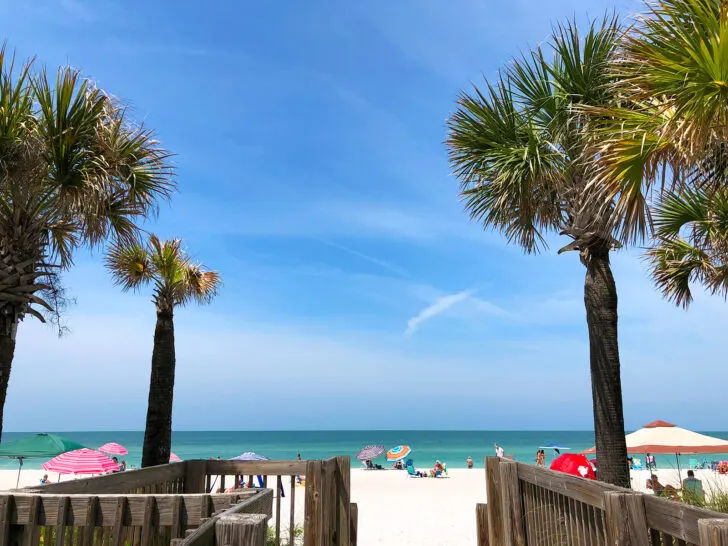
(112, 448)
(80, 461)
(173, 458)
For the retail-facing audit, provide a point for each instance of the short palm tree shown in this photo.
(691, 228)
(177, 281)
(522, 151)
(75, 171)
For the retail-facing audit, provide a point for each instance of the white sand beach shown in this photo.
(397, 509)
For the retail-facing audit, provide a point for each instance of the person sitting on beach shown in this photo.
(654, 483)
(116, 462)
(693, 488)
(470, 462)
(44, 480)
(399, 465)
(499, 451)
(437, 471)
(122, 466)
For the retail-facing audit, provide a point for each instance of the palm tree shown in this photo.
(691, 230)
(521, 150)
(177, 281)
(74, 172)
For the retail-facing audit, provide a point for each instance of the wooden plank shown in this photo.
(625, 519)
(313, 515)
(583, 490)
(481, 519)
(87, 535)
(118, 482)
(292, 515)
(512, 508)
(713, 532)
(64, 507)
(279, 486)
(262, 468)
(148, 526)
(343, 484)
(675, 518)
(177, 527)
(241, 530)
(6, 502)
(31, 530)
(121, 508)
(494, 501)
(328, 498)
(194, 477)
(354, 526)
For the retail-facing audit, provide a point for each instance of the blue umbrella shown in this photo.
(250, 456)
(556, 447)
(370, 452)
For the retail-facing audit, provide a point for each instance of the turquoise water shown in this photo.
(451, 447)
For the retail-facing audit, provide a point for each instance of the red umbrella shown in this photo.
(81, 461)
(574, 464)
(173, 458)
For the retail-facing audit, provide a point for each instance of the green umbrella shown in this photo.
(39, 446)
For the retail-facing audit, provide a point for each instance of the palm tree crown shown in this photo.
(177, 280)
(518, 147)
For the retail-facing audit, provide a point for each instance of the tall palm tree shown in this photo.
(75, 171)
(691, 228)
(177, 281)
(521, 150)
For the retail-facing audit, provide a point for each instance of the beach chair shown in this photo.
(693, 463)
(411, 470)
(636, 464)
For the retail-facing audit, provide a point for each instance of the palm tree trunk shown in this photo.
(600, 299)
(158, 432)
(8, 329)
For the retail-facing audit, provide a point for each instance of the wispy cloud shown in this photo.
(381, 263)
(440, 306)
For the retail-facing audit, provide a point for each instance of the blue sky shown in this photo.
(313, 176)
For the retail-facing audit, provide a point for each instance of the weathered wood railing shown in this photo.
(531, 506)
(99, 520)
(328, 516)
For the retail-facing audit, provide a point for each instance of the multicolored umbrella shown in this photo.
(250, 456)
(574, 464)
(173, 458)
(113, 448)
(398, 453)
(370, 452)
(81, 461)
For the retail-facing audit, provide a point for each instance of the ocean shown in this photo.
(451, 447)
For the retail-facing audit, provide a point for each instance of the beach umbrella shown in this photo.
(558, 448)
(575, 464)
(80, 461)
(38, 446)
(370, 452)
(661, 437)
(398, 453)
(112, 448)
(250, 456)
(173, 458)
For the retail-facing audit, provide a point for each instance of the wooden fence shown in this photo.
(116, 520)
(531, 506)
(329, 518)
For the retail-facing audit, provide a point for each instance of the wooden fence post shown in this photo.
(354, 525)
(343, 500)
(241, 530)
(494, 501)
(313, 521)
(713, 532)
(513, 533)
(195, 474)
(481, 518)
(625, 519)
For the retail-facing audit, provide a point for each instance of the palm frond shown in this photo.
(130, 266)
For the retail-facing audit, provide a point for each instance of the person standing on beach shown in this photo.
(470, 462)
(498, 451)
